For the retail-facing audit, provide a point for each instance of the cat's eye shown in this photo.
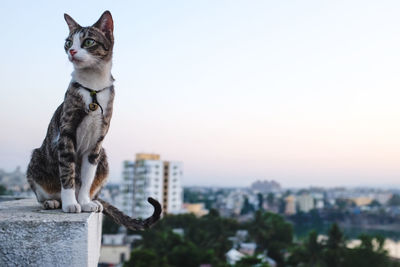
(68, 43)
(88, 42)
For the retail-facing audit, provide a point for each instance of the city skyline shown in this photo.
(302, 93)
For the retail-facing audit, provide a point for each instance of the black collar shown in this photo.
(93, 93)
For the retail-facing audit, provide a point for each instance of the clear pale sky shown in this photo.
(303, 92)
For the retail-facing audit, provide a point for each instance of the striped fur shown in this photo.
(70, 167)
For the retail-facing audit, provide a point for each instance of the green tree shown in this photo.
(109, 226)
(247, 207)
(144, 258)
(3, 190)
(344, 204)
(271, 233)
(260, 198)
(205, 239)
(307, 254)
(370, 252)
(375, 203)
(251, 261)
(335, 247)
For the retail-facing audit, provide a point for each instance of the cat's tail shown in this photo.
(134, 224)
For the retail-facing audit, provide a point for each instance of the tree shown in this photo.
(251, 261)
(3, 190)
(375, 203)
(144, 258)
(344, 204)
(335, 246)
(109, 226)
(260, 198)
(247, 207)
(205, 240)
(271, 233)
(370, 252)
(307, 254)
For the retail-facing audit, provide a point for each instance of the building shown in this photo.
(362, 201)
(114, 250)
(127, 187)
(149, 176)
(233, 256)
(196, 209)
(305, 202)
(266, 186)
(290, 207)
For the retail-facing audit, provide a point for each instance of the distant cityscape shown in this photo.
(315, 207)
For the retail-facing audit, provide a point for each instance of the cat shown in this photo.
(70, 167)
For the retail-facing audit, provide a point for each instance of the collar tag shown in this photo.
(93, 106)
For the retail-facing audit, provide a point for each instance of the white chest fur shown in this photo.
(89, 131)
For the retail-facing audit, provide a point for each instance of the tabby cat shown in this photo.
(70, 167)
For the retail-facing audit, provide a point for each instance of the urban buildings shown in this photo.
(305, 202)
(290, 207)
(149, 176)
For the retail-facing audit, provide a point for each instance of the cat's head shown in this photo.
(90, 47)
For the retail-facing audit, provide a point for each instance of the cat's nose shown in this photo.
(72, 52)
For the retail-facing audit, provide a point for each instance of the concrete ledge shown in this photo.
(31, 236)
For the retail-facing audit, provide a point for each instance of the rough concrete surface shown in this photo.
(31, 236)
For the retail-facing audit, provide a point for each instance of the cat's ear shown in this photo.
(105, 23)
(72, 24)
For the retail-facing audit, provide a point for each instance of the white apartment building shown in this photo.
(127, 187)
(147, 177)
(305, 202)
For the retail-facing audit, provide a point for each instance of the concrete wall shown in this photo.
(31, 236)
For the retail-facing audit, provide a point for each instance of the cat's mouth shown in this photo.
(75, 60)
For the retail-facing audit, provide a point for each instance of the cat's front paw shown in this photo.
(92, 206)
(73, 208)
(51, 204)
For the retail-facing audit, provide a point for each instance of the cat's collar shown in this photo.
(93, 93)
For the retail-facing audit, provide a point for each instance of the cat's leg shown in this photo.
(66, 157)
(45, 186)
(88, 171)
(101, 175)
(51, 204)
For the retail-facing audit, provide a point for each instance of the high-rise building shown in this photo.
(149, 176)
(127, 187)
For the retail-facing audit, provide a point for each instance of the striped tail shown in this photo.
(134, 224)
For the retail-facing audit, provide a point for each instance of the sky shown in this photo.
(302, 92)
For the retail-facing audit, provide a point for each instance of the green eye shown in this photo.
(88, 42)
(68, 43)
